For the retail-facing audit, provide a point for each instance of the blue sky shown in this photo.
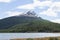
(47, 9)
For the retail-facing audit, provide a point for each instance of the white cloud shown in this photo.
(9, 13)
(49, 12)
(0, 18)
(56, 20)
(27, 6)
(5, 0)
(52, 11)
(39, 3)
(45, 3)
(56, 7)
(36, 3)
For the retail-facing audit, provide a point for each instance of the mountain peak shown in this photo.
(30, 14)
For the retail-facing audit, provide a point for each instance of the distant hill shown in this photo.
(28, 22)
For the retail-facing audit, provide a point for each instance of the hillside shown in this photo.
(11, 21)
(28, 22)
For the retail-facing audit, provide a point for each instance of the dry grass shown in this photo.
(47, 38)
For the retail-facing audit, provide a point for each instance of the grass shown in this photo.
(47, 38)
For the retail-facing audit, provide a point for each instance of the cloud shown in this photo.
(9, 13)
(52, 11)
(27, 6)
(5, 0)
(35, 3)
(56, 7)
(0, 18)
(56, 20)
(44, 3)
(49, 12)
(52, 0)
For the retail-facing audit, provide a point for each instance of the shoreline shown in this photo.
(45, 38)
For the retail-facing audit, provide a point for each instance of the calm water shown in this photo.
(7, 36)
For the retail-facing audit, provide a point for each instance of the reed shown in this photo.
(47, 38)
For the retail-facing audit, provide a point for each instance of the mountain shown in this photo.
(28, 22)
(11, 21)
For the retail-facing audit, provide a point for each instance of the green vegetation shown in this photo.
(27, 24)
(53, 38)
(34, 26)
